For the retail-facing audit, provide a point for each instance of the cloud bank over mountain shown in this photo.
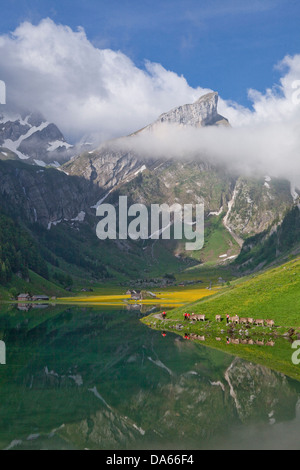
(268, 149)
(102, 94)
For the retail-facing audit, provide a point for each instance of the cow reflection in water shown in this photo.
(250, 341)
(198, 337)
(231, 340)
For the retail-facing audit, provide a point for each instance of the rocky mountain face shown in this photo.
(249, 205)
(279, 241)
(46, 196)
(244, 206)
(108, 166)
(204, 112)
(32, 139)
(256, 203)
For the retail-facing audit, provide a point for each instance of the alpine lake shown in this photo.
(96, 377)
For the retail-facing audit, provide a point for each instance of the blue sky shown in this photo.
(226, 45)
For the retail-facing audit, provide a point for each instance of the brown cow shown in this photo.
(234, 319)
(250, 341)
(270, 323)
(270, 343)
(260, 322)
(218, 318)
(244, 320)
(200, 317)
(260, 343)
(250, 321)
(198, 337)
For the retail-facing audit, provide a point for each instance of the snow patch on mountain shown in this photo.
(216, 213)
(13, 145)
(40, 163)
(80, 217)
(34, 139)
(58, 144)
(143, 168)
(294, 192)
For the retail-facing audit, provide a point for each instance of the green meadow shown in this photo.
(273, 294)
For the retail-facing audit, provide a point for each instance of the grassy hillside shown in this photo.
(273, 294)
(35, 285)
(23, 264)
(219, 245)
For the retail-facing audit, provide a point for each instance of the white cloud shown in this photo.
(82, 88)
(90, 91)
(265, 140)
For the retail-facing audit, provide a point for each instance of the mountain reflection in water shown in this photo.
(88, 378)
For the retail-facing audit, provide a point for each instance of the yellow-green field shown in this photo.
(165, 298)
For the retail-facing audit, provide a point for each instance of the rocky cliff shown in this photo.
(249, 205)
(246, 206)
(46, 196)
(204, 112)
(108, 166)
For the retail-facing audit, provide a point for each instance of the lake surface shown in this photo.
(80, 378)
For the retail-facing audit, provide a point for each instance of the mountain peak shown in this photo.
(212, 97)
(204, 112)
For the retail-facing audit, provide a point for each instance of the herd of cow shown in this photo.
(235, 320)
